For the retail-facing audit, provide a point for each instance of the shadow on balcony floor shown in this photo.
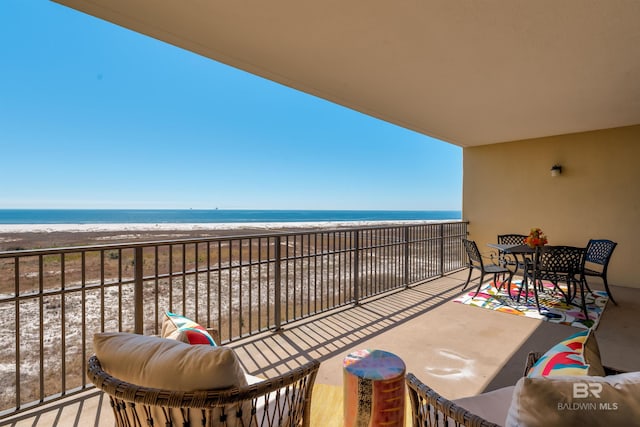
(458, 350)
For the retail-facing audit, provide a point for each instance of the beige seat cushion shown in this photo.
(492, 405)
(167, 364)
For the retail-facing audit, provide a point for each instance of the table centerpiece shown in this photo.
(536, 238)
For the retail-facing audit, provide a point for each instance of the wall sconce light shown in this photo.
(556, 170)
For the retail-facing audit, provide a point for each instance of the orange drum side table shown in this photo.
(374, 389)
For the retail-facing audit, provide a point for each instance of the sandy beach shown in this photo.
(33, 236)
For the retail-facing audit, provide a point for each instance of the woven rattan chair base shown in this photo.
(283, 400)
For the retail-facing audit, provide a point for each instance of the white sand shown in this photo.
(50, 228)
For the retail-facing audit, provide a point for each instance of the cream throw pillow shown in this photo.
(576, 401)
(492, 405)
(167, 364)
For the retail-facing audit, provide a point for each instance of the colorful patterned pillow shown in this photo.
(576, 355)
(177, 327)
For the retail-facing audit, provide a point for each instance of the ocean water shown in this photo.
(196, 216)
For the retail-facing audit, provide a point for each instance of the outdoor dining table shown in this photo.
(560, 257)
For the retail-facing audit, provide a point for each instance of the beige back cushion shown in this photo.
(576, 401)
(167, 364)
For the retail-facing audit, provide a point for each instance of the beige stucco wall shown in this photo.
(508, 188)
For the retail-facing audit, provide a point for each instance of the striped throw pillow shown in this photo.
(575, 355)
(181, 328)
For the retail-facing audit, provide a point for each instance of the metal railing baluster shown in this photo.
(278, 289)
(138, 292)
(314, 272)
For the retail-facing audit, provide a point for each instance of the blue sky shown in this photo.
(96, 116)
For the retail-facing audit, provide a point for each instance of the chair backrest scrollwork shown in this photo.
(511, 239)
(472, 251)
(561, 259)
(600, 251)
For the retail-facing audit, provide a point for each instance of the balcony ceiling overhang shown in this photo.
(466, 72)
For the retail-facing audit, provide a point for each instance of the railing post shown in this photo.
(137, 292)
(356, 268)
(406, 256)
(277, 309)
(441, 250)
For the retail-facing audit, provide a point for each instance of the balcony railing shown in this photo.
(54, 300)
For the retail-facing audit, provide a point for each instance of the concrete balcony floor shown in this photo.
(458, 350)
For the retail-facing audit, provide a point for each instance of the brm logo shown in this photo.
(585, 390)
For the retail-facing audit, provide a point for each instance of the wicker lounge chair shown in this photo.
(283, 400)
(428, 408)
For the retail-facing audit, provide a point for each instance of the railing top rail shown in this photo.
(130, 245)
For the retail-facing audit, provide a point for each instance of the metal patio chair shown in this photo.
(504, 259)
(557, 264)
(598, 256)
(476, 263)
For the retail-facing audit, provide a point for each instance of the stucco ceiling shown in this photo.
(466, 72)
